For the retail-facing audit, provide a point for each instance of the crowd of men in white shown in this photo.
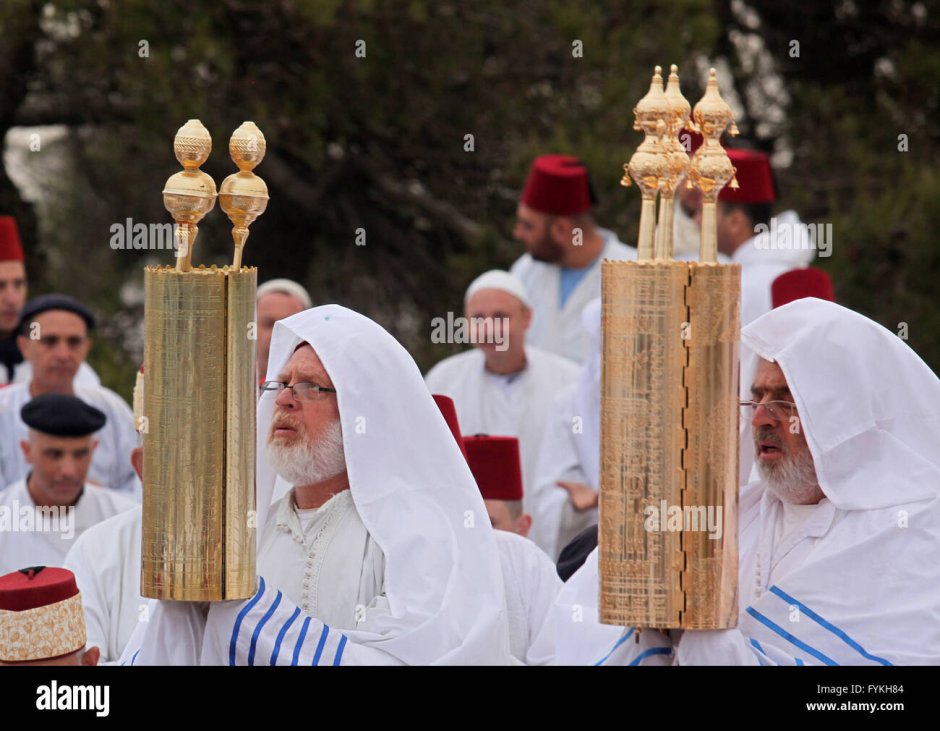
(418, 541)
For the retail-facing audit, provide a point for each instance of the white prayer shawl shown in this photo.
(532, 585)
(106, 562)
(486, 406)
(44, 537)
(570, 449)
(555, 328)
(111, 465)
(23, 373)
(418, 501)
(866, 592)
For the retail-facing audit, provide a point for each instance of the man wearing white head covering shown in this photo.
(276, 299)
(399, 566)
(839, 537)
(503, 386)
(567, 479)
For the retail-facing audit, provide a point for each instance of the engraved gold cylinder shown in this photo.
(198, 540)
(669, 417)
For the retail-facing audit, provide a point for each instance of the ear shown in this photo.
(86, 348)
(27, 453)
(526, 317)
(94, 446)
(137, 460)
(562, 230)
(91, 656)
(524, 525)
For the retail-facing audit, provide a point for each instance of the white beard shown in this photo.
(794, 479)
(306, 462)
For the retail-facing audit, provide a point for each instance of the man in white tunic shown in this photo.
(530, 580)
(565, 497)
(561, 269)
(839, 536)
(503, 386)
(54, 339)
(42, 514)
(374, 543)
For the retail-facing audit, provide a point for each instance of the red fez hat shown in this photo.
(449, 412)
(756, 184)
(41, 614)
(558, 185)
(494, 462)
(799, 283)
(11, 249)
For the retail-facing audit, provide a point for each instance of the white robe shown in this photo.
(110, 467)
(49, 534)
(331, 568)
(486, 406)
(854, 580)
(443, 600)
(532, 585)
(554, 519)
(555, 328)
(106, 562)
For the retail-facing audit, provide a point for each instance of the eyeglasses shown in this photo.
(303, 391)
(776, 410)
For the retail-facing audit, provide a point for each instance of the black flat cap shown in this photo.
(47, 302)
(62, 416)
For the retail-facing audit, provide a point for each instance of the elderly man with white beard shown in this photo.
(375, 547)
(839, 537)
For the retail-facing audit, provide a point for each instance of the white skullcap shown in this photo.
(286, 286)
(498, 279)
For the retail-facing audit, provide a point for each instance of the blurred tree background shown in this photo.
(380, 142)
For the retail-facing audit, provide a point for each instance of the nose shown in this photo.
(69, 468)
(285, 399)
(517, 232)
(762, 417)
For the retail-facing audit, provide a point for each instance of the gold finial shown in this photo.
(243, 195)
(189, 195)
(648, 165)
(711, 169)
(677, 161)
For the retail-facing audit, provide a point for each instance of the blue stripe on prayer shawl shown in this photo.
(134, 658)
(650, 652)
(323, 636)
(790, 638)
(339, 651)
(280, 635)
(300, 641)
(238, 621)
(828, 625)
(800, 662)
(619, 642)
(260, 625)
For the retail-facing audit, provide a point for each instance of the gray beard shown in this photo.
(306, 462)
(794, 479)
